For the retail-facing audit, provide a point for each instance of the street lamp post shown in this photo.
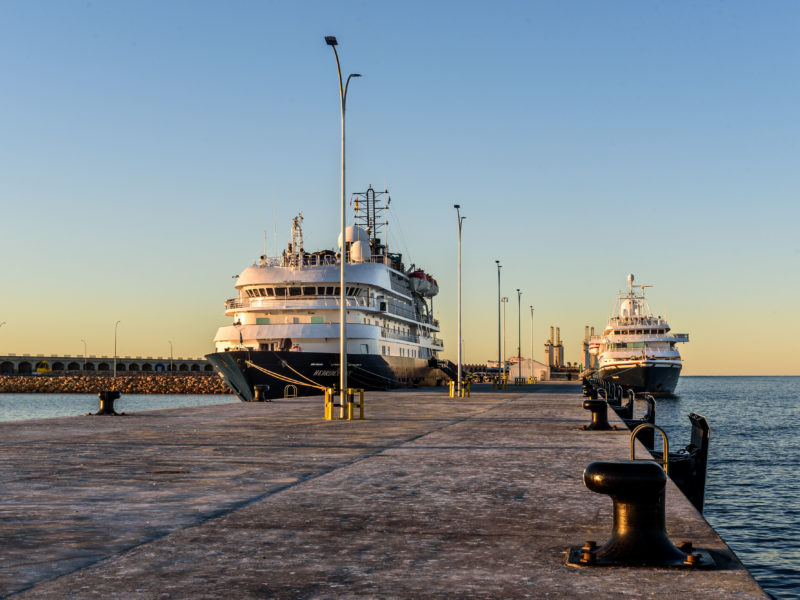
(84, 354)
(331, 41)
(115, 348)
(498, 323)
(531, 341)
(460, 221)
(519, 335)
(504, 300)
(170, 356)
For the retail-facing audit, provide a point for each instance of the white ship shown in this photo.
(284, 334)
(636, 349)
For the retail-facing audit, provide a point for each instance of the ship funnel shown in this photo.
(558, 335)
(586, 333)
(551, 335)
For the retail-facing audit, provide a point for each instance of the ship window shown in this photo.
(309, 291)
(336, 291)
(249, 293)
(294, 291)
(317, 320)
(295, 320)
(270, 291)
(262, 321)
(364, 348)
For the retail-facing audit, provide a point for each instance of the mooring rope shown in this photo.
(393, 380)
(280, 377)
(288, 366)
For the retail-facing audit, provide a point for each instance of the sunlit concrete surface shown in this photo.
(429, 497)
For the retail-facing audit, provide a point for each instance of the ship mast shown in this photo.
(369, 215)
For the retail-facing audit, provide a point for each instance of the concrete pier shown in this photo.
(429, 497)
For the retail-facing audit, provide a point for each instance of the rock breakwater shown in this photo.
(161, 383)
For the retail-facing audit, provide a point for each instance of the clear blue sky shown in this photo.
(146, 146)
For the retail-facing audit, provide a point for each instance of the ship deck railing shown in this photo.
(326, 302)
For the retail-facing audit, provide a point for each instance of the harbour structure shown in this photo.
(637, 349)
(554, 349)
(23, 364)
(589, 358)
(284, 334)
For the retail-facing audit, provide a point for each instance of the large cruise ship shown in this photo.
(284, 335)
(636, 349)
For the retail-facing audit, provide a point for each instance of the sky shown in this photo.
(147, 146)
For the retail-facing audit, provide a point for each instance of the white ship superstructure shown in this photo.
(286, 316)
(637, 349)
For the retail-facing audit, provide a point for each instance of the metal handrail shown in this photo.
(664, 438)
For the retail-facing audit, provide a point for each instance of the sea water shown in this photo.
(17, 407)
(752, 492)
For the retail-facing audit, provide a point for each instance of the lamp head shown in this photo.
(355, 75)
(330, 40)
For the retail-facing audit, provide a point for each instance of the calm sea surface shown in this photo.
(752, 492)
(16, 407)
(753, 489)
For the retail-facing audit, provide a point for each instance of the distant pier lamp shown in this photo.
(115, 348)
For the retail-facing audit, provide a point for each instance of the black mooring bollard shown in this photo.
(599, 410)
(639, 535)
(107, 398)
(261, 390)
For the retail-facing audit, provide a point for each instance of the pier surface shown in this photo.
(429, 497)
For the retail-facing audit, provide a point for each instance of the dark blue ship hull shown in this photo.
(649, 378)
(309, 372)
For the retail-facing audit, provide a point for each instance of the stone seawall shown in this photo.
(127, 384)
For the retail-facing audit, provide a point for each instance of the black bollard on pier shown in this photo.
(599, 410)
(107, 398)
(261, 390)
(639, 536)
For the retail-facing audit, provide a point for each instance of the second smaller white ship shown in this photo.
(636, 349)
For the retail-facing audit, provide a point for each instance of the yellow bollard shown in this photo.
(350, 394)
(329, 394)
(452, 389)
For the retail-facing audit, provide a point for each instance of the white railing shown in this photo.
(388, 333)
(280, 302)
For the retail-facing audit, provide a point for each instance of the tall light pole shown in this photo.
(460, 221)
(331, 41)
(115, 348)
(504, 300)
(84, 354)
(519, 335)
(498, 322)
(531, 341)
(170, 356)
